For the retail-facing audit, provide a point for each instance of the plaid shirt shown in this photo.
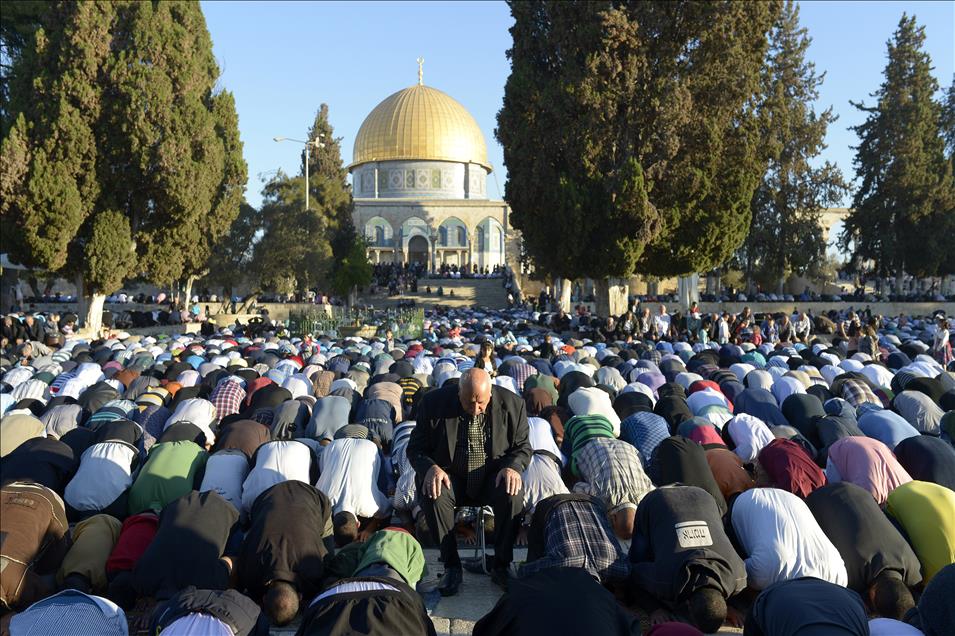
(227, 398)
(645, 430)
(613, 471)
(856, 392)
(578, 535)
(520, 373)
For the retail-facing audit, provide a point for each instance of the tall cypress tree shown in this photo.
(786, 236)
(905, 183)
(629, 133)
(124, 156)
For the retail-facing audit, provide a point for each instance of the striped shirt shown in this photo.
(581, 429)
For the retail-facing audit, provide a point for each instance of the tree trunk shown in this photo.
(899, 281)
(89, 308)
(189, 282)
(9, 279)
(689, 290)
(611, 297)
(563, 301)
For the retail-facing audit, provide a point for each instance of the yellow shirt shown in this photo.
(927, 513)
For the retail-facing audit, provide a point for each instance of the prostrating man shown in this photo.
(609, 469)
(188, 547)
(880, 565)
(35, 540)
(558, 600)
(172, 470)
(194, 612)
(350, 471)
(281, 555)
(783, 541)
(682, 558)
(84, 567)
(807, 607)
(379, 596)
(101, 484)
(470, 446)
(926, 512)
(573, 531)
(935, 613)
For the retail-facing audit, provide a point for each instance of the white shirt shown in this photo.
(276, 462)
(750, 434)
(541, 480)
(104, 475)
(200, 412)
(783, 540)
(349, 478)
(197, 623)
(594, 401)
(226, 470)
(662, 322)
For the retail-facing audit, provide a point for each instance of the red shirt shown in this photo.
(135, 536)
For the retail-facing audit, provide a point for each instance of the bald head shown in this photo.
(474, 390)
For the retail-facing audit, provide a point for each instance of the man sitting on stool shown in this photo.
(470, 447)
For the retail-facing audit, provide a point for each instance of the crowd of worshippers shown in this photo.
(226, 484)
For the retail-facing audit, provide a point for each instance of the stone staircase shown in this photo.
(483, 292)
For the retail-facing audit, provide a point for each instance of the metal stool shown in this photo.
(482, 541)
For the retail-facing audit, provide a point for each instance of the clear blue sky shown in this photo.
(283, 59)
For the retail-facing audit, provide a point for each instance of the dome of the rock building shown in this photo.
(420, 123)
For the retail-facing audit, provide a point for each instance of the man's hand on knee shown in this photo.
(511, 480)
(433, 480)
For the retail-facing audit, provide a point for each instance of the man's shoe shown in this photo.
(450, 582)
(501, 577)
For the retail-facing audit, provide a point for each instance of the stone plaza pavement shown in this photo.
(456, 615)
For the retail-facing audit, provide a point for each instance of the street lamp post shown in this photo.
(316, 143)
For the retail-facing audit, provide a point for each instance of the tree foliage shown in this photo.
(233, 253)
(19, 21)
(629, 132)
(294, 254)
(902, 216)
(354, 270)
(300, 248)
(119, 115)
(786, 235)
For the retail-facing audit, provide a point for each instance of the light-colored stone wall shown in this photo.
(403, 220)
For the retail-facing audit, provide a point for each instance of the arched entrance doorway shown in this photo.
(418, 250)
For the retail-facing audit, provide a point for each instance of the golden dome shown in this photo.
(420, 123)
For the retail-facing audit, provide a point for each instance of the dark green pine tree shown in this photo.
(786, 236)
(124, 158)
(904, 196)
(628, 133)
(300, 248)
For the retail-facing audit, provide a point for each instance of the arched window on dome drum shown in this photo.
(379, 236)
(480, 239)
(462, 236)
(443, 236)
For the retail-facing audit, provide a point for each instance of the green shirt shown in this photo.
(169, 473)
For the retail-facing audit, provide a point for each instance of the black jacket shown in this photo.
(434, 438)
(865, 538)
(284, 541)
(399, 611)
(679, 545)
(187, 550)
